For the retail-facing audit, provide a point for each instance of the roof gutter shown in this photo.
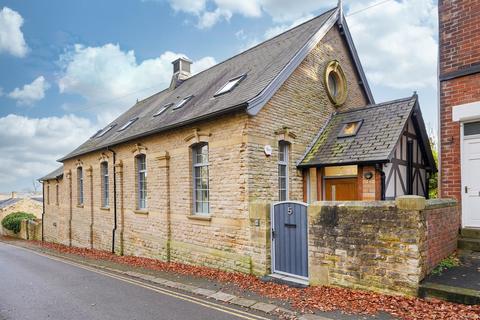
(321, 165)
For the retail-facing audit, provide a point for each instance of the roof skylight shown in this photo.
(182, 102)
(350, 129)
(230, 85)
(101, 133)
(128, 124)
(163, 109)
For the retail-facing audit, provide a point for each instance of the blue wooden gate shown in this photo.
(289, 238)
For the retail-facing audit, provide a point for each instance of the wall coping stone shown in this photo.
(355, 204)
(440, 203)
(410, 203)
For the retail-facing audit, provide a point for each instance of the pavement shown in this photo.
(46, 284)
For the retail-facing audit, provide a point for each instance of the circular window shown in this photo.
(336, 83)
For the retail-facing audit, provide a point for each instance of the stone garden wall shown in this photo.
(384, 246)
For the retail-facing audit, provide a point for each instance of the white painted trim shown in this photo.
(462, 176)
(466, 112)
(255, 104)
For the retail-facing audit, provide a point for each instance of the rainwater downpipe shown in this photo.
(43, 212)
(114, 230)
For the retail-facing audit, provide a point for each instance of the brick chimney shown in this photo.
(14, 195)
(181, 72)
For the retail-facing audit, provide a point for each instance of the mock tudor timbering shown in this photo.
(211, 153)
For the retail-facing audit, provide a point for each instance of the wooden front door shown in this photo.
(341, 189)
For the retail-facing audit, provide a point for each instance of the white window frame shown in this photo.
(283, 147)
(195, 165)
(101, 133)
(182, 102)
(141, 188)
(104, 172)
(230, 85)
(80, 194)
(162, 109)
(128, 124)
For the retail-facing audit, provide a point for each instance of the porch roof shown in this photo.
(380, 130)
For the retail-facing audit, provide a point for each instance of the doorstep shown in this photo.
(458, 284)
(287, 279)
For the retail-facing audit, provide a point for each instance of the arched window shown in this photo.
(141, 161)
(79, 186)
(105, 184)
(201, 191)
(283, 170)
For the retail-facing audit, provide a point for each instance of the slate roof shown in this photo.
(8, 202)
(263, 65)
(374, 142)
(57, 173)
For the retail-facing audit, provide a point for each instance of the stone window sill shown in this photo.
(200, 217)
(105, 208)
(144, 212)
(79, 205)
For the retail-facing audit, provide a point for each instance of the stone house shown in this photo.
(13, 204)
(188, 174)
(459, 108)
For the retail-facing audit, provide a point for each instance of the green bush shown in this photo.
(13, 220)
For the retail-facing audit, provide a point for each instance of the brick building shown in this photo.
(460, 105)
(180, 176)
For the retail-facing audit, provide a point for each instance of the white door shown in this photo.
(471, 181)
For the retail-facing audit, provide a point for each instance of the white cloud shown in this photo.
(276, 30)
(30, 146)
(223, 10)
(30, 93)
(111, 79)
(11, 37)
(397, 43)
(190, 6)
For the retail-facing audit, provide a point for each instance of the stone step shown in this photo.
(471, 233)
(472, 244)
(449, 293)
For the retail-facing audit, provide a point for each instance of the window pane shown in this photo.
(200, 178)
(471, 128)
(282, 171)
(142, 181)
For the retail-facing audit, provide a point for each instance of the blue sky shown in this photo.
(69, 67)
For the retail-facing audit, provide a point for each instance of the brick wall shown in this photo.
(460, 42)
(459, 50)
(383, 246)
(442, 222)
